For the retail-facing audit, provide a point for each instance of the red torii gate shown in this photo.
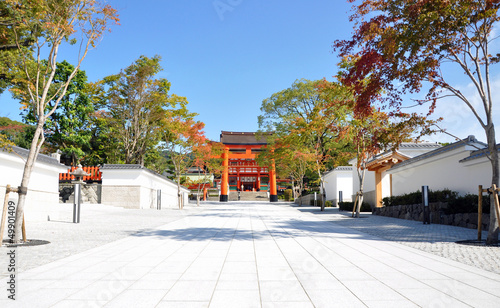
(239, 161)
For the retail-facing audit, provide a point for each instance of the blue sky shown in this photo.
(226, 56)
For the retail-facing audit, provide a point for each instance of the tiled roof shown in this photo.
(241, 138)
(339, 168)
(478, 154)
(41, 157)
(406, 146)
(467, 141)
(343, 168)
(124, 166)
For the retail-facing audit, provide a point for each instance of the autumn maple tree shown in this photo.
(371, 131)
(79, 22)
(208, 162)
(182, 137)
(407, 46)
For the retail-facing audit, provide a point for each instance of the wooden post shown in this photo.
(4, 212)
(24, 230)
(480, 213)
(497, 204)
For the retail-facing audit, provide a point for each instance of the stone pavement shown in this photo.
(436, 239)
(255, 255)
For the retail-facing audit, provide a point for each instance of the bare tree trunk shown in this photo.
(361, 176)
(36, 144)
(179, 201)
(321, 184)
(493, 231)
(360, 201)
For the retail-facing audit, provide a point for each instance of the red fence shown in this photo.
(95, 174)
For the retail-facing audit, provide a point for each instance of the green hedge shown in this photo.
(444, 195)
(456, 204)
(288, 194)
(467, 204)
(347, 206)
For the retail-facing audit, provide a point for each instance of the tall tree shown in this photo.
(56, 21)
(406, 45)
(303, 114)
(135, 104)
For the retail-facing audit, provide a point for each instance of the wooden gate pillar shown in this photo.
(225, 177)
(273, 192)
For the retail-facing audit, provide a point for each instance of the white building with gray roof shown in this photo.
(43, 188)
(460, 166)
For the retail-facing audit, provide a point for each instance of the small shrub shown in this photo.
(328, 204)
(288, 194)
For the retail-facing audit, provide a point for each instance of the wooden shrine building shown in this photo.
(241, 171)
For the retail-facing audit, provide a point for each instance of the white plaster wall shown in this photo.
(330, 183)
(338, 180)
(344, 184)
(386, 184)
(440, 172)
(43, 187)
(141, 182)
(478, 172)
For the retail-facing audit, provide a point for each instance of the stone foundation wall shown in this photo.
(123, 196)
(91, 193)
(416, 212)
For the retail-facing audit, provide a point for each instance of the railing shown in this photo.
(95, 174)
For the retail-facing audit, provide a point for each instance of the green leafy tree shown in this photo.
(304, 114)
(56, 22)
(292, 161)
(406, 45)
(69, 127)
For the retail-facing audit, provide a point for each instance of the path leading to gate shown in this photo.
(259, 255)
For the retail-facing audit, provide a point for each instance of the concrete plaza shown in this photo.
(250, 255)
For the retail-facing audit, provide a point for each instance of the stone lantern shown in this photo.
(79, 174)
